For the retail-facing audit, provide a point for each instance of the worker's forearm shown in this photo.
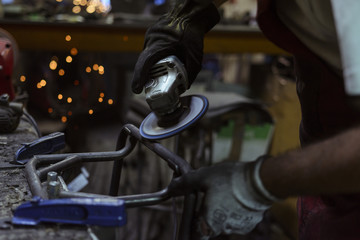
(328, 167)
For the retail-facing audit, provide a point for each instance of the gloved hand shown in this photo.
(179, 32)
(235, 198)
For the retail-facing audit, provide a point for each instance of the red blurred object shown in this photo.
(6, 67)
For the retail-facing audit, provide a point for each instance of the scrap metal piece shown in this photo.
(5, 223)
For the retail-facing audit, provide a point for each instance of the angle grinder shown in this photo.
(171, 113)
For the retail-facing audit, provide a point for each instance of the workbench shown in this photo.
(15, 190)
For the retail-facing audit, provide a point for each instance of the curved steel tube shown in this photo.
(175, 162)
(128, 138)
(131, 201)
(61, 161)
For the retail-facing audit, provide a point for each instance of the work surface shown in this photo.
(15, 190)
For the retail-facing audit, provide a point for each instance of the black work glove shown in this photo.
(179, 32)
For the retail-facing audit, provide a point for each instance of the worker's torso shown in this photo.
(325, 112)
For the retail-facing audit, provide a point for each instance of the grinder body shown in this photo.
(168, 80)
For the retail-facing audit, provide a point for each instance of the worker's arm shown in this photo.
(247, 189)
(328, 167)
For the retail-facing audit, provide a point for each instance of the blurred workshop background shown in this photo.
(74, 61)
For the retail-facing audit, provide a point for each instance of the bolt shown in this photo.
(53, 189)
(52, 176)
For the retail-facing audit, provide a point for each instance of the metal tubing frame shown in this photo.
(127, 140)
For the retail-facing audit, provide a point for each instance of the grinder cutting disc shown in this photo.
(194, 106)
